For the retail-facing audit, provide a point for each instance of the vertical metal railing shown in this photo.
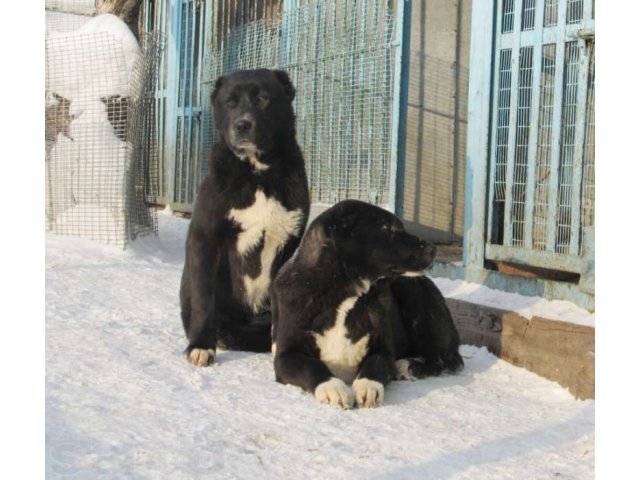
(540, 150)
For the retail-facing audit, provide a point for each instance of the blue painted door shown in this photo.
(189, 100)
(179, 97)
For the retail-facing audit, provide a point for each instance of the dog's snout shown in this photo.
(243, 126)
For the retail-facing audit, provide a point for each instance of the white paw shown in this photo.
(201, 357)
(403, 371)
(334, 392)
(368, 393)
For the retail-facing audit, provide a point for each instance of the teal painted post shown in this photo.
(284, 57)
(400, 108)
(498, 107)
(479, 114)
(578, 153)
(171, 120)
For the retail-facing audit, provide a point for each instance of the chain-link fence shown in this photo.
(99, 134)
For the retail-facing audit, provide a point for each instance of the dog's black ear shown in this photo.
(315, 241)
(285, 81)
(216, 88)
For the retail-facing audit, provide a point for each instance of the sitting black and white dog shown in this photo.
(248, 218)
(353, 306)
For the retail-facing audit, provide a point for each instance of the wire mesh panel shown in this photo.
(97, 138)
(520, 164)
(545, 139)
(340, 57)
(255, 44)
(155, 18)
(542, 163)
(189, 101)
(568, 140)
(77, 7)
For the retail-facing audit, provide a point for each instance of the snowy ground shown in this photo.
(121, 401)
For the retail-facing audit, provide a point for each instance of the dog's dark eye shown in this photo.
(261, 99)
(231, 102)
(386, 228)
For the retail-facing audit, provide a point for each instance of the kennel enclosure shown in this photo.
(530, 190)
(345, 59)
(99, 135)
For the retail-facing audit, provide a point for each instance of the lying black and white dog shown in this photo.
(353, 306)
(248, 218)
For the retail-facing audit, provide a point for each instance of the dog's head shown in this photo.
(253, 110)
(370, 242)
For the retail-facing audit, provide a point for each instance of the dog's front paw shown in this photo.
(368, 393)
(334, 392)
(403, 370)
(201, 357)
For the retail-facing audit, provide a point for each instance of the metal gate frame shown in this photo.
(487, 41)
(179, 96)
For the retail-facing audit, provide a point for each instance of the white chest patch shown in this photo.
(257, 164)
(338, 352)
(265, 217)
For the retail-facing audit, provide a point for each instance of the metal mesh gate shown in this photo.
(542, 159)
(341, 56)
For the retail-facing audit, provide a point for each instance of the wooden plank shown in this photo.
(477, 325)
(559, 351)
(538, 258)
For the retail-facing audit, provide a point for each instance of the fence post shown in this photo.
(402, 42)
(479, 115)
(171, 119)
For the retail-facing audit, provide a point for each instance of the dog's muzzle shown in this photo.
(242, 133)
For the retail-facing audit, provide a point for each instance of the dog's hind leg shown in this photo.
(432, 336)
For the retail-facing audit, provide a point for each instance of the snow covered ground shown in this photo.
(121, 402)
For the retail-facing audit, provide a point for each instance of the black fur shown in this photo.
(214, 307)
(347, 247)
